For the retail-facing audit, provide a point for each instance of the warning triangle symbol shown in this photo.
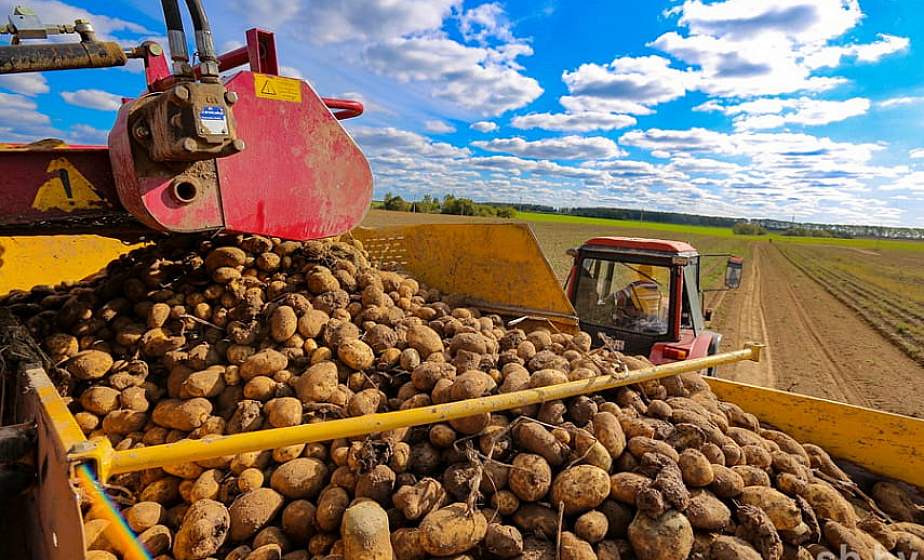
(268, 88)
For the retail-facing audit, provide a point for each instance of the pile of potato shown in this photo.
(195, 338)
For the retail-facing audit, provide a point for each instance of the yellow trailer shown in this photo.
(497, 267)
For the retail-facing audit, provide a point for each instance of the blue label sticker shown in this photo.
(212, 113)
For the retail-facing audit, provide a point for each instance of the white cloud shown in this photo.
(392, 141)
(26, 84)
(916, 153)
(21, 121)
(484, 126)
(765, 113)
(566, 147)
(342, 21)
(439, 127)
(485, 80)
(93, 99)
(899, 101)
(573, 122)
(627, 84)
(291, 72)
(748, 48)
(484, 22)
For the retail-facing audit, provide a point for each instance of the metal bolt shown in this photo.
(182, 92)
(141, 132)
(231, 97)
(189, 144)
(155, 49)
(239, 145)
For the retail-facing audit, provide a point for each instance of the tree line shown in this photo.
(429, 204)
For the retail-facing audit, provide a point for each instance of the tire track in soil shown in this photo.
(817, 345)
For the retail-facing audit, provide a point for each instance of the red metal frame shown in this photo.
(640, 244)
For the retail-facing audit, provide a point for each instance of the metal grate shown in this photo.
(388, 252)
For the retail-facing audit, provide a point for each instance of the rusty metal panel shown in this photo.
(301, 176)
(498, 267)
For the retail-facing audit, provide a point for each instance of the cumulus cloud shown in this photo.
(93, 99)
(627, 84)
(916, 153)
(484, 126)
(26, 84)
(482, 79)
(748, 48)
(566, 147)
(573, 122)
(766, 113)
(439, 127)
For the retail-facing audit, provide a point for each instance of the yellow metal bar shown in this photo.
(185, 451)
(884, 443)
(118, 532)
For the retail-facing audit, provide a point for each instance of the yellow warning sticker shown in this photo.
(67, 190)
(278, 88)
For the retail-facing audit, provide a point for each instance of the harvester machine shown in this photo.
(254, 152)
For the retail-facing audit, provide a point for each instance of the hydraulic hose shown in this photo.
(204, 43)
(176, 37)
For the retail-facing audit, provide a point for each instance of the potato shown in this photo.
(298, 520)
(503, 541)
(250, 479)
(356, 354)
(826, 502)
(706, 512)
(283, 323)
(575, 548)
(270, 551)
(580, 488)
(251, 511)
(364, 402)
(365, 532)
(425, 376)
(696, 469)
(207, 383)
(318, 383)
(405, 544)
(124, 422)
(530, 477)
(751, 475)
(283, 412)
(185, 415)
(452, 530)
(144, 515)
(533, 437)
(591, 526)
(376, 484)
(608, 432)
(625, 486)
(225, 257)
(726, 482)
(732, 548)
(156, 539)
(206, 486)
(203, 531)
(424, 339)
(89, 364)
(639, 446)
(420, 499)
(265, 362)
(782, 510)
(332, 502)
(100, 400)
(670, 537)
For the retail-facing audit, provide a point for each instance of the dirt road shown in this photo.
(816, 345)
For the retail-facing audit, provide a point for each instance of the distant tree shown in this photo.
(745, 228)
(458, 206)
(428, 204)
(395, 203)
(506, 212)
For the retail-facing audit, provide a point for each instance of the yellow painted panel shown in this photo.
(498, 267)
(30, 261)
(884, 443)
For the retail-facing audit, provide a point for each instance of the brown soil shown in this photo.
(816, 345)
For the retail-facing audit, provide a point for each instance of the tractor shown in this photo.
(645, 296)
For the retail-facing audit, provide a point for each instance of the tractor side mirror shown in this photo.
(733, 270)
(572, 252)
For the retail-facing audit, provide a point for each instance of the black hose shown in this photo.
(203, 30)
(172, 15)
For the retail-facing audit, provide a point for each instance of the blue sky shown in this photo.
(812, 109)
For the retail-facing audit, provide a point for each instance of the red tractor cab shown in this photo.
(645, 296)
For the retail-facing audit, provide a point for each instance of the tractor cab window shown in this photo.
(627, 296)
